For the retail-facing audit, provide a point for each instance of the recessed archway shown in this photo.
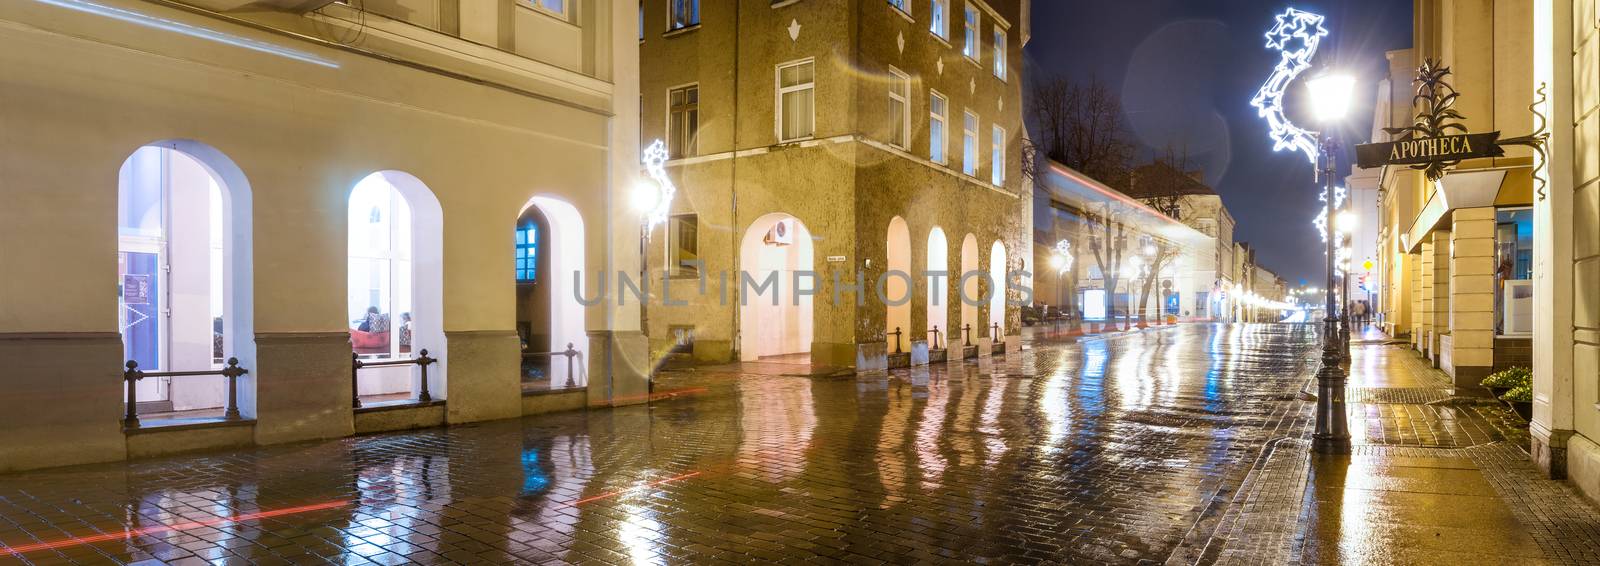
(549, 265)
(395, 290)
(897, 287)
(938, 288)
(185, 296)
(775, 321)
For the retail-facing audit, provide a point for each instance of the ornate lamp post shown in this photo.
(1330, 99)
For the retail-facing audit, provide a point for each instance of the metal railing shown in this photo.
(571, 354)
(935, 333)
(966, 334)
(896, 334)
(422, 360)
(132, 374)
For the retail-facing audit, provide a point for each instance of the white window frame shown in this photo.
(564, 14)
(1000, 45)
(903, 6)
(899, 90)
(940, 29)
(779, 90)
(969, 143)
(972, 20)
(997, 156)
(944, 130)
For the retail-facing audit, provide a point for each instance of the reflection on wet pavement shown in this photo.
(1104, 450)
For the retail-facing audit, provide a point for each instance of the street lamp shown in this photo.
(1330, 100)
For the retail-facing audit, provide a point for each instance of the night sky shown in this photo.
(1185, 71)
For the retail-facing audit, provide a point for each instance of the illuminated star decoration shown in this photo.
(1342, 247)
(1064, 249)
(1295, 36)
(655, 165)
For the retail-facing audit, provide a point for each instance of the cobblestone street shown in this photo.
(1177, 445)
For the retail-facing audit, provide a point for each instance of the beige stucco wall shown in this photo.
(82, 92)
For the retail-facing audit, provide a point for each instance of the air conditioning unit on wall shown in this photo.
(781, 233)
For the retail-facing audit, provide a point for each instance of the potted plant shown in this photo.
(1521, 400)
(1505, 380)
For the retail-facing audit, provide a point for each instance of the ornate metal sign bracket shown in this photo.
(1436, 142)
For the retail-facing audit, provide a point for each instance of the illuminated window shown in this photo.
(899, 108)
(938, 117)
(556, 8)
(997, 156)
(683, 14)
(969, 143)
(527, 252)
(939, 18)
(971, 47)
(684, 245)
(380, 285)
(796, 96)
(999, 53)
(902, 5)
(683, 125)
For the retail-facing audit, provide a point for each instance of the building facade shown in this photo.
(831, 147)
(308, 187)
(1497, 264)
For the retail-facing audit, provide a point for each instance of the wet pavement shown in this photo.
(1181, 444)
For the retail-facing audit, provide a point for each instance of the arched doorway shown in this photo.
(997, 282)
(774, 321)
(395, 291)
(183, 263)
(970, 294)
(897, 287)
(938, 287)
(549, 260)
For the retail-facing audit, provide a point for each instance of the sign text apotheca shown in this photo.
(1424, 150)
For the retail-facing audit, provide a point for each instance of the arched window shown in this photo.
(182, 266)
(380, 312)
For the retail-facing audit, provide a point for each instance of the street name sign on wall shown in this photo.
(1427, 150)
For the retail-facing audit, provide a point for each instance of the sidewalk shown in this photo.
(1433, 479)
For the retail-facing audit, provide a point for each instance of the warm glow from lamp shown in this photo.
(1346, 221)
(1330, 96)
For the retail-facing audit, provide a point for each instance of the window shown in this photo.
(971, 47)
(899, 108)
(380, 283)
(1000, 53)
(902, 5)
(641, 20)
(1513, 273)
(527, 252)
(969, 143)
(556, 8)
(939, 19)
(938, 116)
(796, 94)
(683, 14)
(997, 156)
(683, 122)
(684, 245)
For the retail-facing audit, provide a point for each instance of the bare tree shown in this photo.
(1162, 187)
(1080, 126)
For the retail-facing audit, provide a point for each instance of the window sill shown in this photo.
(784, 142)
(784, 3)
(396, 405)
(902, 13)
(681, 31)
(941, 39)
(970, 59)
(167, 425)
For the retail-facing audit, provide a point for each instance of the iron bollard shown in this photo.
(132, 375)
